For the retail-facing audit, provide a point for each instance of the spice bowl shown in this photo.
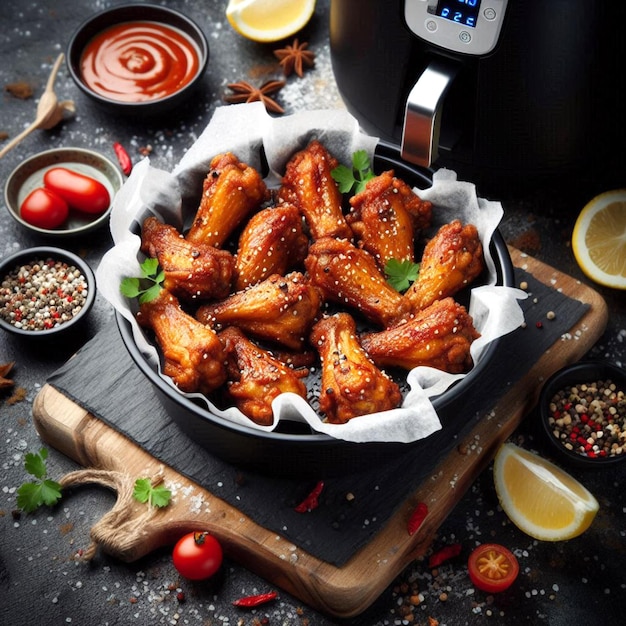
(582, 408)
(44, 292)
(29, 175)
(138, 59)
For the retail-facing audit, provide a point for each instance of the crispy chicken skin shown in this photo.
(351, 384)
(192, 270)
(192, 353)
(309, 185)
(280, 309)
(272, 242)
(439, 336)
(256, 377)
(452, 259)
(386, 216)
(230, 192)
(349, 276)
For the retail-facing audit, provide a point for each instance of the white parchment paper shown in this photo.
(245, 129)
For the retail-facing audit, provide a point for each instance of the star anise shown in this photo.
(5, 369)
(295, 58)
(245, 92)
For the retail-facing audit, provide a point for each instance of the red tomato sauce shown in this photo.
(139, 61)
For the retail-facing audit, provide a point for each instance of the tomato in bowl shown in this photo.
(63, 192)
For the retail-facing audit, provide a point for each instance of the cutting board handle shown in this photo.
(122, 531)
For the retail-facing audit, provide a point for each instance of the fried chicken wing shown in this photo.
(349, 276)
(281, 309)
(257, 377)
(192, 270)
(192, 353)
(351, 384)
(386, 216)
(309, 185)
(439, 336)
(272, 242)
(452, 259)
(231, 191)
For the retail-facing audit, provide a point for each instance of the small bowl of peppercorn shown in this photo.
(44, 292)
(582, 408)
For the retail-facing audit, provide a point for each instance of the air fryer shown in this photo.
(499, 90)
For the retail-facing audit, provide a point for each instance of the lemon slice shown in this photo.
(540, 498)
(269, 20)
(599, 239)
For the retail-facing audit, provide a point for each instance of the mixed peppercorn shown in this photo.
(42, 294)
(590, 419)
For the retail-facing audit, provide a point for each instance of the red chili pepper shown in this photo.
(251, 601)
(123, 157)
(417, 517)
(447, 552)
(312, 500)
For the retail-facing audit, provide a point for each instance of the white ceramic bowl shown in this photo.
(29, 174)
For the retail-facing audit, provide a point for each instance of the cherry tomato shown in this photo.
(197, 555)
(79, 191)
(492, 568)
(44, 208)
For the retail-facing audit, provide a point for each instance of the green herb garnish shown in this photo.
(353, 180)
(32, 495)
(155, 495)
(400, 274)
(148, 286)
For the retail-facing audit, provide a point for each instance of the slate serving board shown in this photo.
(341, 556)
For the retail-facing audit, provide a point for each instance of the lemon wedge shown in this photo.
(269, 20)
(599, 239)
(541, 499)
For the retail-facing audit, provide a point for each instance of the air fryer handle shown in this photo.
(422, 117)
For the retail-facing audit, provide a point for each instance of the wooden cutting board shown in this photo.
(338, 591)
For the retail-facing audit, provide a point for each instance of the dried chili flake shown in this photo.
(417, 517)
(256, 600)
(123, 158)
(442, 555)
(312, 500)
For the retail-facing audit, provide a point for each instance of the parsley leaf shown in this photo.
(344, 178)
(32, 495)
(400, 274)
(354, 179)
(147, 287)
(154, 495)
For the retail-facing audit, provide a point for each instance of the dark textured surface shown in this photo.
(580, 581)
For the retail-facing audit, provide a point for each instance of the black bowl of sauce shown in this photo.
(138, 59)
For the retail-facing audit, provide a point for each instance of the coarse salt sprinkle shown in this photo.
(42, 294)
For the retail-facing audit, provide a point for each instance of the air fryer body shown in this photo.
(544, 102)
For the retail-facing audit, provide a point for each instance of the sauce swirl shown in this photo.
(139, 61)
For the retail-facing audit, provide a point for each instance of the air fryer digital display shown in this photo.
(464, 26)
(459, 11)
